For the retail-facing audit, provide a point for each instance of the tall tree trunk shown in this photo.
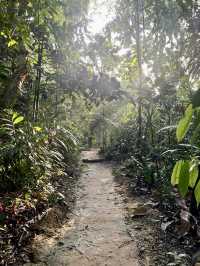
(39, 69)
(139, 58)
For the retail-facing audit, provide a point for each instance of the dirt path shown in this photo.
(97, 234)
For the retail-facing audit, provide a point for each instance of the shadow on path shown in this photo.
(97, 234)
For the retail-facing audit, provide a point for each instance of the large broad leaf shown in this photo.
(176, 173)
(197, 193)
(181, 176)
(184, 178)
(184, 124)
(194, 173)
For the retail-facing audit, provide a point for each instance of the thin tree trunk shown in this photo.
(139, 58)
(39, 70)
(38, 81)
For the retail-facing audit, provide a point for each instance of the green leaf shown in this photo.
(3, 34)
(27, 196)
(176, 173)
(184, 124)
(11, 43)
(194, 173)
(197, 193)
(15, 115)
(18, 120)
(38, 129)
(184, 178)
(196, 128)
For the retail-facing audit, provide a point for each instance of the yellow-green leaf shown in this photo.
(37, 129)
(14, 116)
(194, 173)
(184, 124)
(197, 193)
(11, 43)
(3, 34)
(18, 120)
(184, 178)
(176, 173)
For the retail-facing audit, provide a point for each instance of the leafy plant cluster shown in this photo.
(31, 154)
(185, 174)
(152, 155)
(31, 159)
(39, 47)
(158, 70)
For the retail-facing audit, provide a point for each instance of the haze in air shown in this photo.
(99, 132)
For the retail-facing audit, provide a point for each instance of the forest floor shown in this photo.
(107, 227)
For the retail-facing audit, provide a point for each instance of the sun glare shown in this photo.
(101, 12)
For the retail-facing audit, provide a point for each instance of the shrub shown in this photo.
(29, 153)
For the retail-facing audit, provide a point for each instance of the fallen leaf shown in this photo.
(138, 209)
(164, 226)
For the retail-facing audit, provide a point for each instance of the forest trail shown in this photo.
(97, 234)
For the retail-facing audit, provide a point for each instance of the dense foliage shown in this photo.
(157, 43)
(39, 46)
(132, 89)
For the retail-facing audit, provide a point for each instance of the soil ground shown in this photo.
(97, 233)
(107, 227)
